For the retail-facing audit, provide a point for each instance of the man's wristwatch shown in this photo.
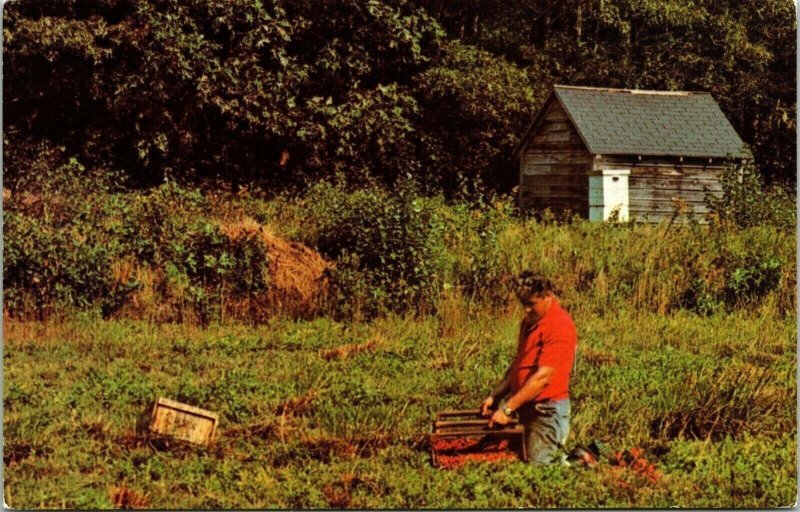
(507, 410)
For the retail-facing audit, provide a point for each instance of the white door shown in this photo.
(608, 195)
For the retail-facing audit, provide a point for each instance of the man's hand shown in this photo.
(486, 407)
(499, 418)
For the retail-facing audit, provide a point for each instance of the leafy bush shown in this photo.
(479, 266)
(399, 250)
(387, 245)
(393, 251)
(753, 279)
(747, 201)
(740, 267)
(57, 248)
(171, 228)
(64, 235)
(47, 268)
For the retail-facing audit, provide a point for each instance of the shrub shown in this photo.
(46, 268)
(741, 267)
(747, 201)
(64, 234)
(473, 240)
(389, 241)
(156, 224)
(58, 249)
(754, 264)
(72, 242)
(171, 228)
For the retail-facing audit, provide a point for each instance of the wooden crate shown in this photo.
(184, 422)
(469, 423)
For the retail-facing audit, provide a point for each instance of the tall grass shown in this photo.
(173, 254)
(478, 248)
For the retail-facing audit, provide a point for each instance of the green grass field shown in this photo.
(325, 414)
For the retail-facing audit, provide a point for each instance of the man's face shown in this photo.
(537, 305)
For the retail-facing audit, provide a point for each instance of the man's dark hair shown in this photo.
(530, 283)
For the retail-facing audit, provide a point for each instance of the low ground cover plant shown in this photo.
(709, 401)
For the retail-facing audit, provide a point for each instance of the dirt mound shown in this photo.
(296, 279)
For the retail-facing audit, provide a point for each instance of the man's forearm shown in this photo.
(532, 387)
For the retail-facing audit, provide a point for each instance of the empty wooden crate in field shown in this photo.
(182, 421)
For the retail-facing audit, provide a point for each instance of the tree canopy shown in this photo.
(280, 92)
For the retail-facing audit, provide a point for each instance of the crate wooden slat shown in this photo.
(452, 424)
(184, 422)
(464, 413)
(467, 423)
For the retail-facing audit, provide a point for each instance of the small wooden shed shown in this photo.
(629, 153)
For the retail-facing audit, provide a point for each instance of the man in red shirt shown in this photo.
(537, 382)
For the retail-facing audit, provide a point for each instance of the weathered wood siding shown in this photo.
(657, 186)
(555, 166)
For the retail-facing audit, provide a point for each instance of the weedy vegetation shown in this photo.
(687, 350)
(711, 401)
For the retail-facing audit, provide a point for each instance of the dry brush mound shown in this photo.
(297, 284)
(290, 280)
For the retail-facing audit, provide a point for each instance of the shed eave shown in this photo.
(606, 152)
(537, 119)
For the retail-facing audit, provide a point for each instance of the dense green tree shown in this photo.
(474, 108)
(279, 91)
(236, 89)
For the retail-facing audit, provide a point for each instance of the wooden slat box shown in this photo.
(469, 424)
(184, 422)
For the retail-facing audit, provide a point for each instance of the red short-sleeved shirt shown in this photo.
(552, 341)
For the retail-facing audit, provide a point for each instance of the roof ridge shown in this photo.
(630, 91)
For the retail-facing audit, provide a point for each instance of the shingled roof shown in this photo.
(638, 122)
